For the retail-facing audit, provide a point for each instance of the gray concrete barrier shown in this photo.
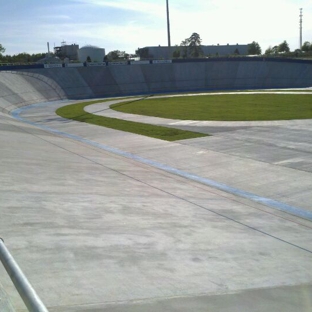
(29, 86)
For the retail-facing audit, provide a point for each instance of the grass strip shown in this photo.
(76, 112)
(225, 107)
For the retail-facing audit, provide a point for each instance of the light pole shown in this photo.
(168, 24)
(300, 23)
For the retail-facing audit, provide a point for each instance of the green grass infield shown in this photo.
(225, 107)
(76, 112)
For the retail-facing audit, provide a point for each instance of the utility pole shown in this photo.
(300, 23)
(168, 24)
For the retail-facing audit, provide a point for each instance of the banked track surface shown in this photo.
(142, 238)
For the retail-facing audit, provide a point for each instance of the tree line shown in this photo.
(189, 47)
(20, 58)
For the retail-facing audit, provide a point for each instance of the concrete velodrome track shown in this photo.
(103, 220)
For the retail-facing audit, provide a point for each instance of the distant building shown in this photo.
(67, 51)
(91, 54)
(212, 50)
(49, 59)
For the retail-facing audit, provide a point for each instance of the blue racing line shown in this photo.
(299, 212)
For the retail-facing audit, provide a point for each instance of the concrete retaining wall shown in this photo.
(21, 88)
(24, 87)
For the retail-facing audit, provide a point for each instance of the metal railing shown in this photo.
(26, 291)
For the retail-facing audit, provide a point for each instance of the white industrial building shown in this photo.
(91, 53)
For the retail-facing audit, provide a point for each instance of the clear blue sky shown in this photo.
(27, 25)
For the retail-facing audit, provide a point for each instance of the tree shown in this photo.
(268, 51)
(184, 46)
(2, 49)
(191, 46)
(195, 49)
(88, 59)
(117, 55)
(254, 48)
(306, 47)
(177, 52)
(283, 47)
(275, 50)
(297, 52)
(143, 53)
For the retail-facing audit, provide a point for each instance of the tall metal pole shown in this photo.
(300, 23)
(168, 24)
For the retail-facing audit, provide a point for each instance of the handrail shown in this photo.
(26, 291)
